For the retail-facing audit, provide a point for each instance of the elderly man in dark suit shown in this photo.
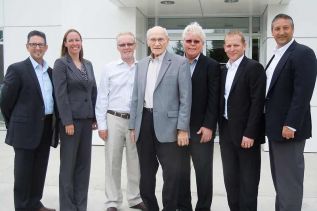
(159, 118)
(27, 106)
(205, 74)
(241, 125)
(291, 76)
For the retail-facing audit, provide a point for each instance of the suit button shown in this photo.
(86, 100)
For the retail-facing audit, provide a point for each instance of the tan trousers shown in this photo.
(118, 139)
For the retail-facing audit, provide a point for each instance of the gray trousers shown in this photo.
(75, 156)
(287, 168)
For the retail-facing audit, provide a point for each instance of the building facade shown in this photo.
(99, 21)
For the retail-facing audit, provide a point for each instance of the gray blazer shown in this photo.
(75, 97)
(171, 97)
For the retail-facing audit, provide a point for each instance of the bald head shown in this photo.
(157, 40)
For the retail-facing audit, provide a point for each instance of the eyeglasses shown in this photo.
(192, 41)
(122, 45)
(34, 45)
(159, 40)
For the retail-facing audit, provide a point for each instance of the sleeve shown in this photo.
(257, 84)
(305, 69)
(9, 93)
(134, 100)
(185, 96)
(61, 92)
(102, 101)
(211, 114)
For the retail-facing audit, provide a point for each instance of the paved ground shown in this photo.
(96, 190)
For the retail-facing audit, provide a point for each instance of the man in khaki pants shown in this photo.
(112, 113)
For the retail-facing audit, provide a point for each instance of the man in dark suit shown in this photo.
(205, 73)
(291, 76)
(159, 118)
(241, 125)
(27, 106)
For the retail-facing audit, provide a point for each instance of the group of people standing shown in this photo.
(164, 110)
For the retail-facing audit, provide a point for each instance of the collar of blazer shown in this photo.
(31, 70)
(280, 65)
(165, 64)
(238, 73)
(75, 70)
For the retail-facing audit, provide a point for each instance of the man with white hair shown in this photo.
(205, 73)
(112, 113)
(159, 118)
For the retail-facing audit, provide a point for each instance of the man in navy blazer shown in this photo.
(159, 118)
(28, 109)
(291, 76)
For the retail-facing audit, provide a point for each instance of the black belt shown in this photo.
(148, 109)
(122, 115)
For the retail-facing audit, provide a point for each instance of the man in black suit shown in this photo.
(205, 74)
(241, 125)
(291, 76)
(27, 106)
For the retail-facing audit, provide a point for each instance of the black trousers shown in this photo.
(151, 153)
(241, 170)
(30, 167)
(202, 157)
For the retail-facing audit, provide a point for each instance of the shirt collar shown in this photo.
(194, 60)
(235, 63)
(159, 58)
(35, 64)
(120, 61)
(281, 50)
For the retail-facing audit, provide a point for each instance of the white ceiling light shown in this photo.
(167, 2)
(231, 1)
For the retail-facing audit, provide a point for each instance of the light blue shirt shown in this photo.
(45, 85)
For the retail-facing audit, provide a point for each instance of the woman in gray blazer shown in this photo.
(75, 92)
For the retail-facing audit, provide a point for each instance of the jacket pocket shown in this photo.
(172, 114)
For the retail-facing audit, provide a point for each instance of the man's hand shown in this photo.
(132, 136)
(287, 133)
(70, 129)
(206, 134)
(182, 138)
(103, 134)
(247, 142)
(94, 125)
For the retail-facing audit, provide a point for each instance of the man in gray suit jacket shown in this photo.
(159, 118)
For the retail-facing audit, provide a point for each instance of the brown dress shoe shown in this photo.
(46, 209)
(112, 209)
(140, 206)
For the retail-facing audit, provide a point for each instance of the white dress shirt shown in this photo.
(151, 78)
(278, 53)
(232, 70)
(45, 84)
(115, 91)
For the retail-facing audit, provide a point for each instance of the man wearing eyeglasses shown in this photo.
(113, 114)
(205, 73)
(29, 110)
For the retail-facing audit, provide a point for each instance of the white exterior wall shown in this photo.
(304, 15)
(98, 22)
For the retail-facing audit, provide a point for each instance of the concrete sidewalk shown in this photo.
(96, 190)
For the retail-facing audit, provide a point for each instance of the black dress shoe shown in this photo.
(112, 209)
(140, 206)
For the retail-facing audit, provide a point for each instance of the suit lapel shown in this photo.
(31, 70)
(165, 64)
(198, 67)
(280, 64)
(238, 73)
(73, 67)
(142, 71)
